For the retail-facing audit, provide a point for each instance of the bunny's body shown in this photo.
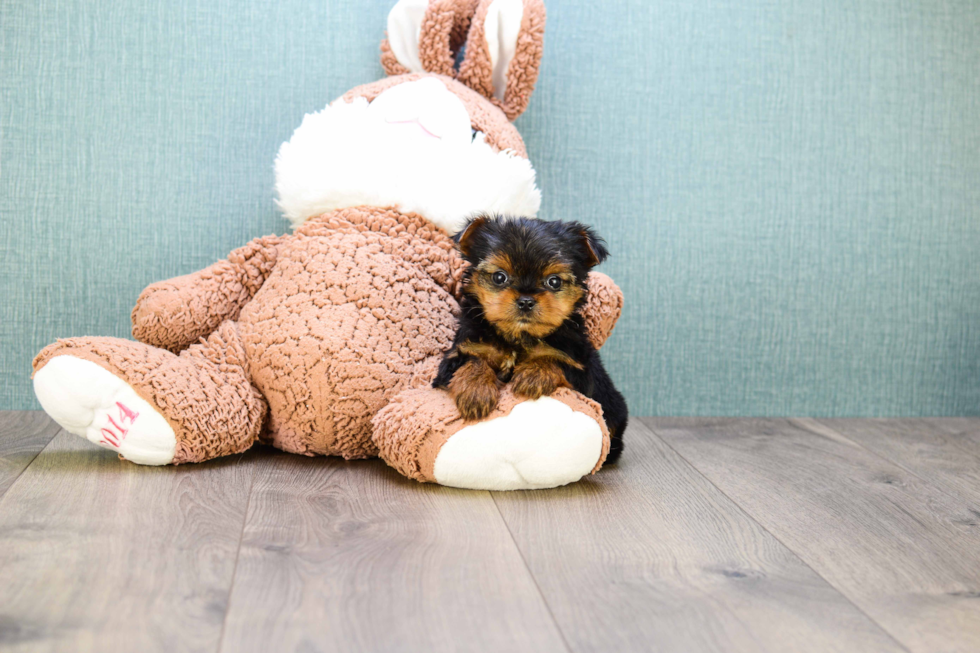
(325, 342)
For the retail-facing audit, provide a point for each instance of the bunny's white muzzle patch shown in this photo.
(412, 148)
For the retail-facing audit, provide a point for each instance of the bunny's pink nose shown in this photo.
(414, 123)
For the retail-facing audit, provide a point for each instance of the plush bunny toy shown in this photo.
(325, 342)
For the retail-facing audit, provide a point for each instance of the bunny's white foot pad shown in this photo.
(89, 401)
(539, 444)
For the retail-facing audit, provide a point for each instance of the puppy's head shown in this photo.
(528, 275)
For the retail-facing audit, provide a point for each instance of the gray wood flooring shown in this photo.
(710, 535)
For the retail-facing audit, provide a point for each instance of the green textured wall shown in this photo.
(791, 189)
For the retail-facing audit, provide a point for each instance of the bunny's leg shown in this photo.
(522, 445)
(149, 405)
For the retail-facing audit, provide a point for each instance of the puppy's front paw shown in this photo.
(537, 379)
(475, 390)
(475, 403)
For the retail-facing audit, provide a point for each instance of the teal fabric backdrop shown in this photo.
(791, 189)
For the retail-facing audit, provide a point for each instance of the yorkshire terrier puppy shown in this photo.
(520, 321)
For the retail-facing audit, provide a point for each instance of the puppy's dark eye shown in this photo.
(553, 282)
(499, 278)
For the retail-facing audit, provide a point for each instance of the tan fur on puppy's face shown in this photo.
(500, 303)
(557, 306)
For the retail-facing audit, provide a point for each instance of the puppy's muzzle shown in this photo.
(526, 303)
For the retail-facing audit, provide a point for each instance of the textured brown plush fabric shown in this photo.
(357, 299)
(437, 26)
(476, 68)
(602, 309)
(464, 17)
(484, 116)
(522, 74)
(204, 393)
(176, 313)
(442, 33)
(411, 430)
(389, 62)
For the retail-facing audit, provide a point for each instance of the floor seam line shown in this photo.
(238, 555)
(778, 539)
(933, 483)
(534, 579)
(951, 437)
(28, 465)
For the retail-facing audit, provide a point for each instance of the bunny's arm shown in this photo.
(602, 308)
(176, 313)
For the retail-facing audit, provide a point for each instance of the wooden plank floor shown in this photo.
(710, 535)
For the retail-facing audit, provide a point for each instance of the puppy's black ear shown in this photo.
(467, 235)
(593, 245)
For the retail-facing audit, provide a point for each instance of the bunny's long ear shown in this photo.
(503, 52)
(424, 35)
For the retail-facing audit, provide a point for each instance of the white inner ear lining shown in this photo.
(404, 30)
(501, 29)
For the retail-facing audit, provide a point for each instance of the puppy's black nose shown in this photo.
(525, 303)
